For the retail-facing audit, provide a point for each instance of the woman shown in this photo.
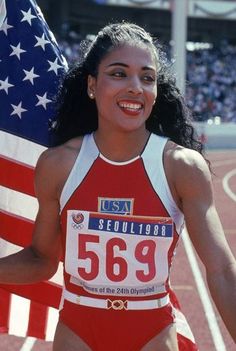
(113, 199)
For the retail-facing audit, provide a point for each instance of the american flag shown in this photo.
(31, 65)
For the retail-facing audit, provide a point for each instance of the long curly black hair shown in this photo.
(77, 114)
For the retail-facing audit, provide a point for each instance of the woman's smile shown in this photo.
(131, 108)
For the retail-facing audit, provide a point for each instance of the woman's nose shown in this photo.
(135, 86)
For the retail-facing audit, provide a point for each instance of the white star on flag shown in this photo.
(18, 109)
(5, 26)
(41, 41)
(54, 66)
(27, 16)
(5, 85)
(30, 75)
(43, 101)
(16, 50)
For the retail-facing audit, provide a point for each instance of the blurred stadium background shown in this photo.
(199, 35)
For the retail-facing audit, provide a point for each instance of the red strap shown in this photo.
(5, 304)
(38, 317)
(46, 293)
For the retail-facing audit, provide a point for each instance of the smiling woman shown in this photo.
(114, 196)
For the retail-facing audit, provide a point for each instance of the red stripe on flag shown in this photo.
(5, 302)
(38, 317)
(16, 176)
(47, 293)
(16, 229)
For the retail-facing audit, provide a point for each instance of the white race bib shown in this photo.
(118, 255)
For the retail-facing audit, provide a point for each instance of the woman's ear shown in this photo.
(91, 86)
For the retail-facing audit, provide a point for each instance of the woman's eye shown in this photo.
(118, 74)
(149, 78)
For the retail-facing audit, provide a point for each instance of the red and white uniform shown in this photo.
(120, 228)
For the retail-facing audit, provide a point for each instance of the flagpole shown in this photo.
(179, 37)
(2, 11)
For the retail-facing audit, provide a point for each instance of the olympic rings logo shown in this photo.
(77, 226)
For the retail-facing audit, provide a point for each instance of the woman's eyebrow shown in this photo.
(145, 68)
(118, 64)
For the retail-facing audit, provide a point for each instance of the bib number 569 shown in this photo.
(116, 265)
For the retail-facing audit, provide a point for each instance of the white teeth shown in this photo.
(130, 106)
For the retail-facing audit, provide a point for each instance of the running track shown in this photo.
(183, 281)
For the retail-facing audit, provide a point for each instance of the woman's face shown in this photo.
(125, 88)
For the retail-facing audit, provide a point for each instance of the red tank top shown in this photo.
(120, 224)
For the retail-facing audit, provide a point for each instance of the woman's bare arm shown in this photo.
(39, 261)
(192, 185)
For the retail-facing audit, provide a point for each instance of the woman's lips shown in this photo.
(130, 108)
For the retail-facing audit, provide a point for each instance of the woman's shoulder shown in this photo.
(186, 169)
(62, 153)
(55, 163)
(183, 157)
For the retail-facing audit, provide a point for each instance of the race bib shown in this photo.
(116, 254)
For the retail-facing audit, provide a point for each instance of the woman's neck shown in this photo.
(121, 147)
